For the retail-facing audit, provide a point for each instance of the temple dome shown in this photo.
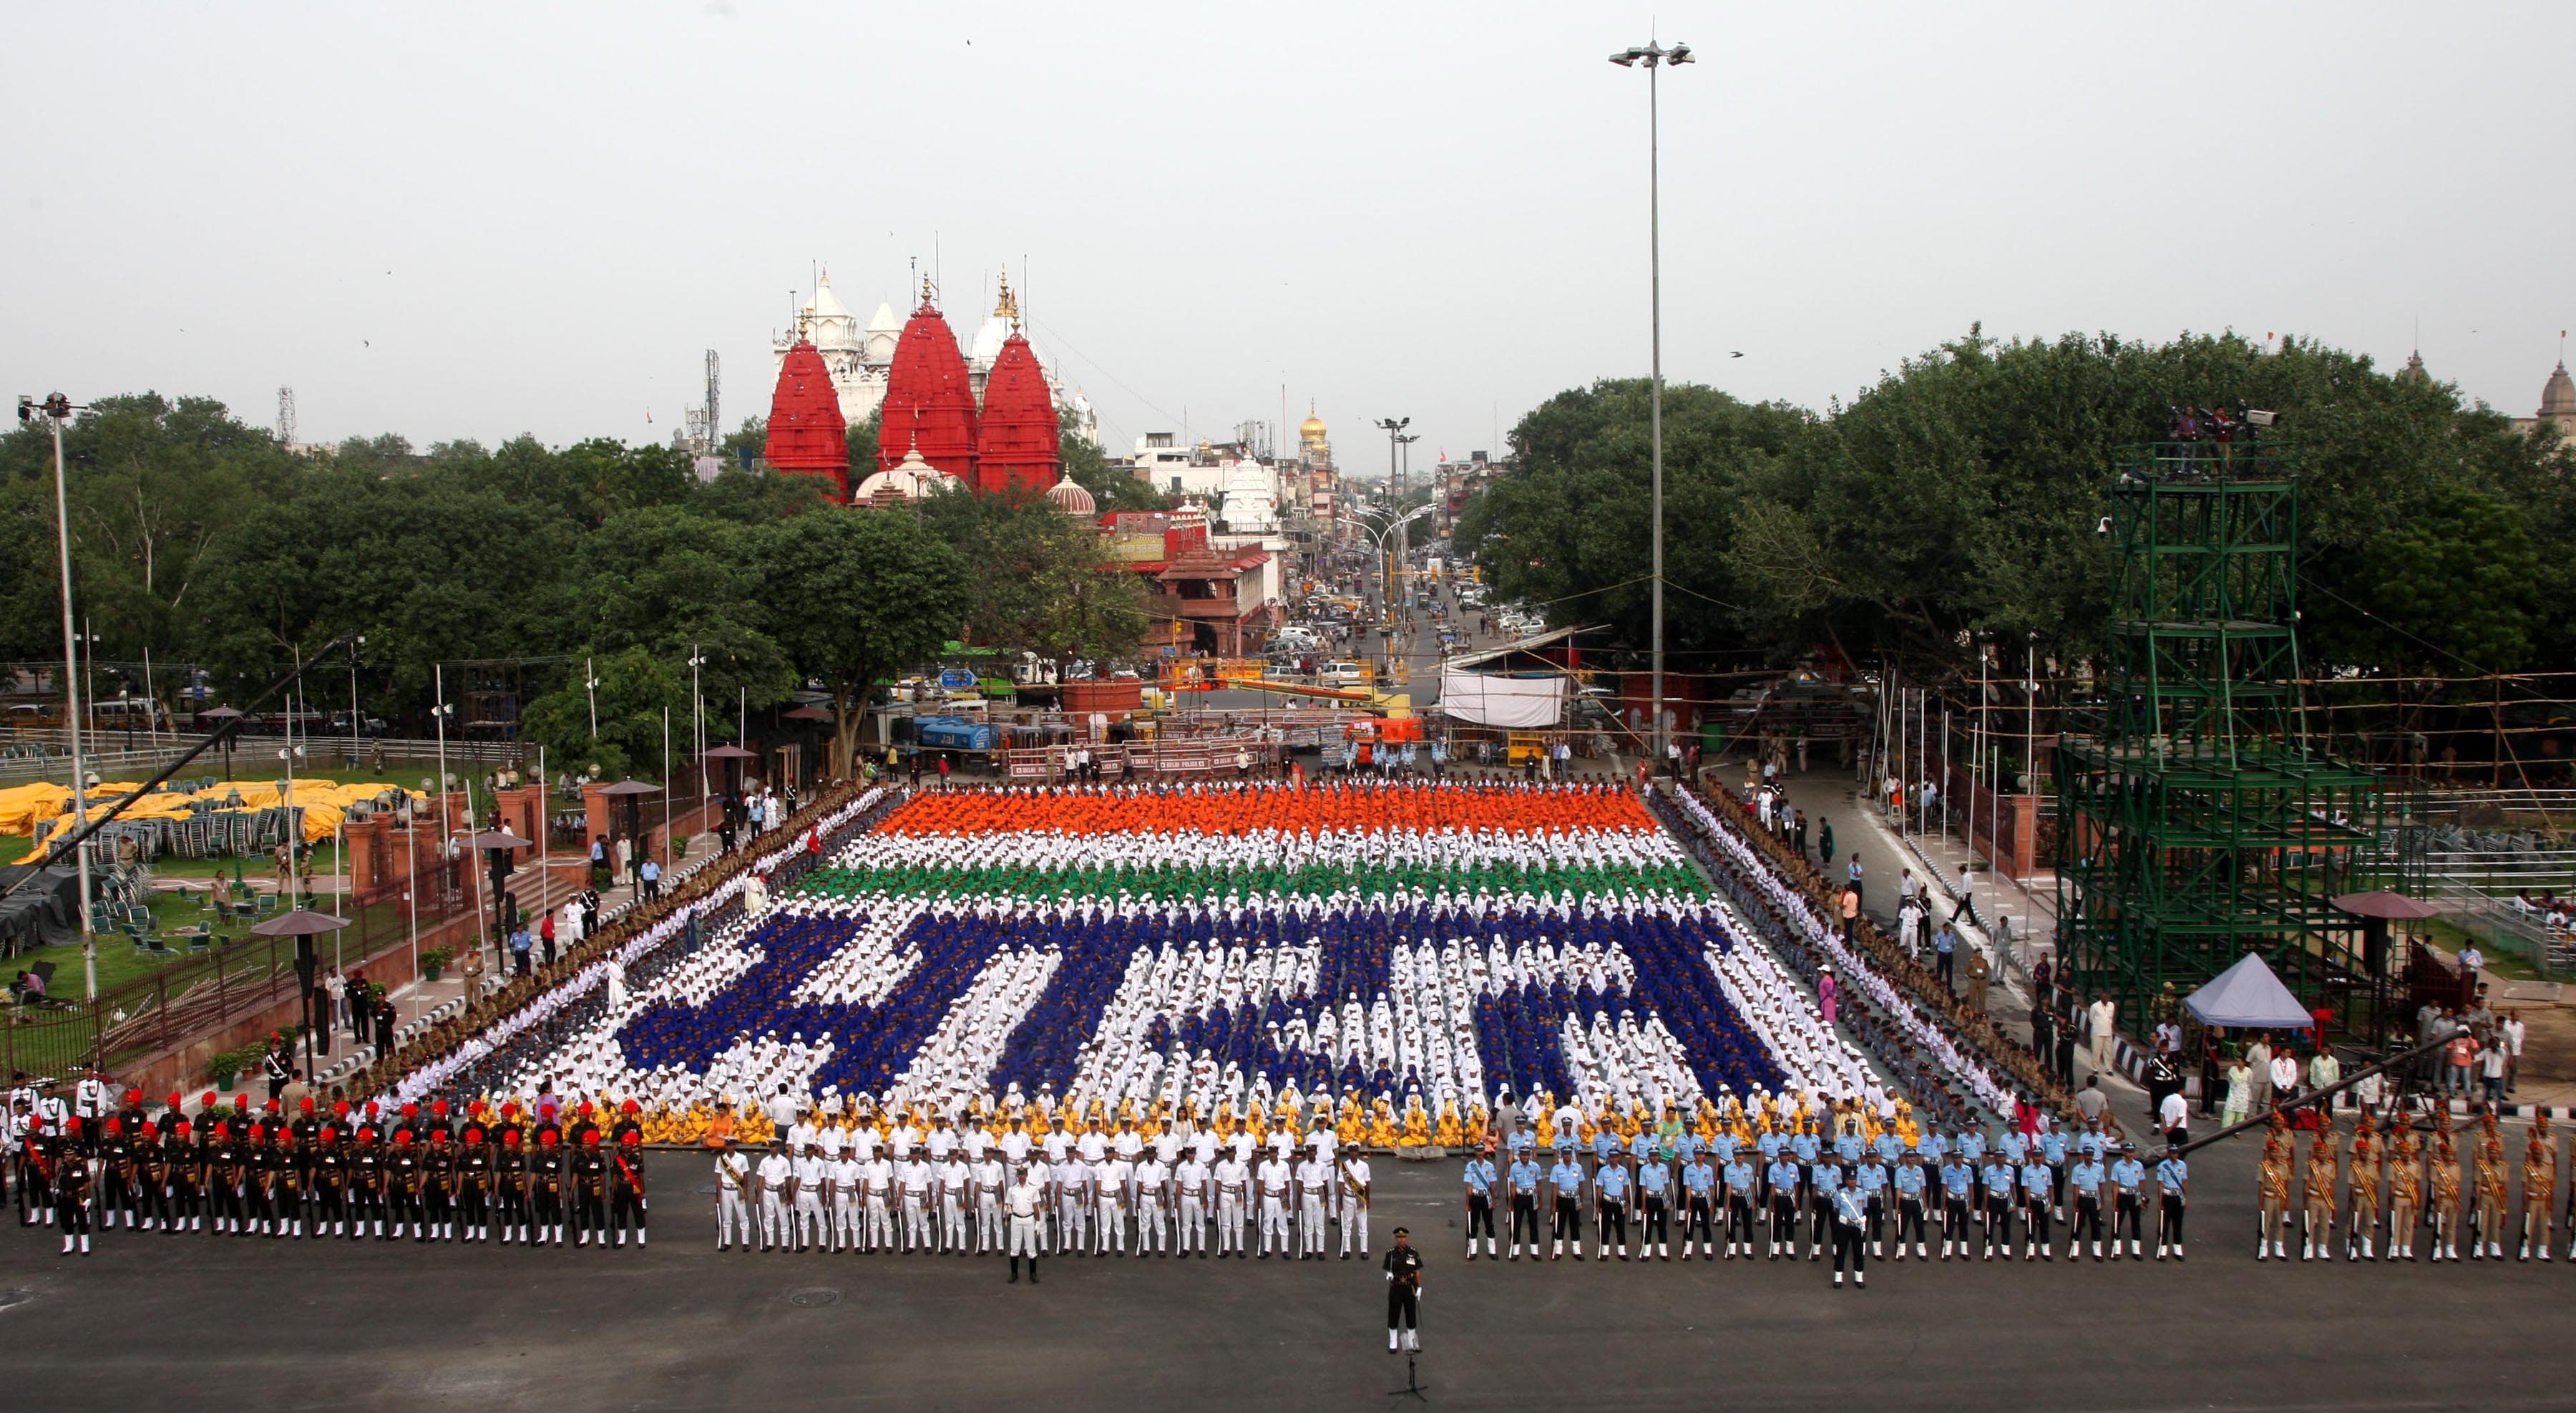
(1069, 497)
(929, 402)
(907, 481)
(2558, 395)
(1311, 430)
(806, 434)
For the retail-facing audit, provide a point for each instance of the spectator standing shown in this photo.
(1979, 972)
(2511, 1033)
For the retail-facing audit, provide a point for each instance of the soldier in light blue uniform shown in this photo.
(1807, 1146)
(1958, 1191)
(2128, 1204)
(1847, 1144)
(1825, 1180)
(1769, 1144)
(1699, 1217)
(1972, 1145)
(2173, 1181)
(1606, 1150)
(2088, 1177)
(1481, 1179)
(1738, 1173)
(1871, 1178)
(1524, 1178)
(1655, 1212)
(1610, 1188)
(2037, 1184)
(1909, 1182)
(1781, 1179)
(2002, 1184)
(1565, 1180)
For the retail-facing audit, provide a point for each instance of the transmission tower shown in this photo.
(704, 424)
(285, 416)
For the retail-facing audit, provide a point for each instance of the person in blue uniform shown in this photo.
(1908, 1181)
(2128, 1202)
(1871, 1178)
(1481, 1178)
(1740, 1180)
(1823, 1181)
(2173, 1181)
(2037, 1193)
(2002, 1183)
(1699, 1218)
(1565, 1180)
(2088, 1176)
(1610, 1188)
(1524, 1178)
(1958, 1186)
(1849, 1214)
(1781, 1181)
(1655, 1221)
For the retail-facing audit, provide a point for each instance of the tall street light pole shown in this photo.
(1394, 428)
(57, 410)
(1654, 56)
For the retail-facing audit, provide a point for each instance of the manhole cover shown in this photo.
(15, 1297)
(818, 1296)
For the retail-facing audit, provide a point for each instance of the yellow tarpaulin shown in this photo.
(324, 802)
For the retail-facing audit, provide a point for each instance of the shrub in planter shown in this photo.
(433, 963)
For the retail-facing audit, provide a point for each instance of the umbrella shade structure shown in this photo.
(2384, 904)
(807, 713)
(630, 787)
(2247, 996)
(221, 713)
(731, 753)
(500, 839)
(303, 922)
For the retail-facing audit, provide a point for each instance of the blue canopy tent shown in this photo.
(2247, 996)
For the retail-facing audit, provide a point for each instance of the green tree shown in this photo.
(636, 687)
(855, 597)
(862, 441)
(1036, 579)
(2449, 590)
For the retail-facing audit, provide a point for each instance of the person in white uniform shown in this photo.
(1275, 1178)
(733, 1207)
(1025, 1201)
(1355, 1203)
(1233, 1184)
(1190, 1182)
(1314, 1188)
(773, 1178)
(807, 1227)
(989, 1178)
(1153, 1179)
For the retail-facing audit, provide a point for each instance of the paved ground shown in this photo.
(285, 1325)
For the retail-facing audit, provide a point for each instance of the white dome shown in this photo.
(827, 305)
(1069, 496)
(907, 481)
(988, 342)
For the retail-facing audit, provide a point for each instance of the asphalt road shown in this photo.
(224, 1323)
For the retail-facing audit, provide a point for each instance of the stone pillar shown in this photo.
(368, 857)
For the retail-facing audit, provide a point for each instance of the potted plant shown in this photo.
(433, 963)
(223, 1068)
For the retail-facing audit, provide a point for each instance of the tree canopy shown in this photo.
(1962, 493)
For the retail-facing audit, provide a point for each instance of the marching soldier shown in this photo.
(438, 1183)
(514, 1197)
(2088, 1179)
(225, 1180)
(330, 1183)
(733, 1209)
(2493, 1200)
(2361, 1205)
(1026, 1200)
(2324, 1174)
(366, 1186)
(590, 1188)
(1191, 1182)
(2444, 1199)
(2173, 1183)
(71, 1180)
(1958, 1184)
(114, 1165)
(1780, 1180)
(1655, 1226)
(547, 1187)
(1610, 1202)
(2038, 1192)
(990, 1178)
(2405, 1196)
(627, 1206)
(1522, 1183)
(2001, 1182)
(1481, 1177)
(2539, 1188)
(2272, 1189)
(292, 1160)
(474, 1182)
(1699, 1210)
(403, 1183)
(775, 1181)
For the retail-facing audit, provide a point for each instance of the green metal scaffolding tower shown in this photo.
(2197, 825)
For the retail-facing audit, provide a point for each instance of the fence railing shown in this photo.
(2484, 914)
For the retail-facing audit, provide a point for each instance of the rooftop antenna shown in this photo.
(285, 416)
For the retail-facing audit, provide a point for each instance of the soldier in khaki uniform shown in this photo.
(2539, 1188)
(2325, 1171)
(2361, 1227)
(2405, 1195)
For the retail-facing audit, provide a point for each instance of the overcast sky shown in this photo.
(470, 221)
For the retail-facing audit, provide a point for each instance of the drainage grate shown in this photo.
(815, 1297)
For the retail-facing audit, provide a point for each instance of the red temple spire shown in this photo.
(806, 434)
(929, 402)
